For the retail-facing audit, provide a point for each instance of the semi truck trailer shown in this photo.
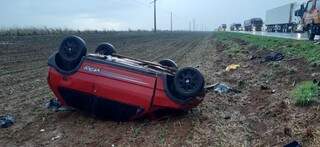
(282, 19)
(253, 24)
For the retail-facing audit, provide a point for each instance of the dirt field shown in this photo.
(254, 117)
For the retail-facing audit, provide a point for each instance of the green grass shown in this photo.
(290, 47)
(306, 93)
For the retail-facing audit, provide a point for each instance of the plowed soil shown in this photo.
(255, 117)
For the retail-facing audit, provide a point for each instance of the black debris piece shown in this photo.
(316, 82)
(273, 56)
(293, 144)
(6, 121)
(55, 105)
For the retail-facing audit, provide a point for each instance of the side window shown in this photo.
(309, 6)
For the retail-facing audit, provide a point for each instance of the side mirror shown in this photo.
(300, 12)
(302, 8)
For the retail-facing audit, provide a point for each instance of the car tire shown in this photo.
(105, 49)
(189, 82)
(168, 63)
(70, 53)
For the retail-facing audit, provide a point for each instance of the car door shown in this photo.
(121, 85)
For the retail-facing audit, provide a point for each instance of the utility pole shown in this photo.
(155, 15)
(194, 24)
(171, 22)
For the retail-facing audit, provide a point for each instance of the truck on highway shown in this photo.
(310, 14)
(235, 27)
(282, 19)
(222, 27)
(253, 24)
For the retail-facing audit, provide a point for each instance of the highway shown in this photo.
(296, 36)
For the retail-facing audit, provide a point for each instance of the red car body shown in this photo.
(116, 87)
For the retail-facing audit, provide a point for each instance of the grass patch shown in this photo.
(290, 47)
(306, 93)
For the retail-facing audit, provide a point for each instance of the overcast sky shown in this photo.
(133, 14)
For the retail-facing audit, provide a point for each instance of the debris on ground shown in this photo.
(252, 57)
(6, 121)
(55, 105)
(316, 82)
(55, 138)
(293, 144)
(264, 87)
(273, 56)
(232, 67)
(222, 88)
(316, 42)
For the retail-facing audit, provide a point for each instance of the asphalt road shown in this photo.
(297, 36)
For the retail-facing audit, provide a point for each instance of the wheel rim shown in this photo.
(188, 81)
(105, 49)
(70, 49)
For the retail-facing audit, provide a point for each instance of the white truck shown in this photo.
(283, 19)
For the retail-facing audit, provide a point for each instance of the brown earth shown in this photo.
(254, 117)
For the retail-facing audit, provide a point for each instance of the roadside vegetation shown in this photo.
(306, 93)
(292, 48)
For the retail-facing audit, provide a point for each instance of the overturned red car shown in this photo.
(120, 88)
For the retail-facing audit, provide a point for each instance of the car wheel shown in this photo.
(169, 63)
(105, 49)
(71, 51)
(188, 82)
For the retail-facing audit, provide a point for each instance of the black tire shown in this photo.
(105, 49)
(71, 51)
(169, 63)
(188, 82)
(311, 34)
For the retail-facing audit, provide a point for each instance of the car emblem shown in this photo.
(91, 69)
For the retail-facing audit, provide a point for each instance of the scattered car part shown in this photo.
(273, 56)
(316, 82)
(232, 67)
(168, 63)
(120, 88)
(6, 121)
(293, 144)
(221, 88)
(105, 49)
(55, 105)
